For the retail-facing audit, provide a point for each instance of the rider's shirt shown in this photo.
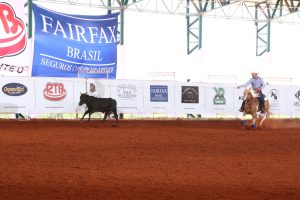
(255, 83)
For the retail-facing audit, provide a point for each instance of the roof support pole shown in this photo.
(121, 27)
(121, 20)
(29, 19)
(194, 30)
(263, 29)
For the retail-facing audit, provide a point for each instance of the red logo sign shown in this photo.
(55, 91)
(12, 32)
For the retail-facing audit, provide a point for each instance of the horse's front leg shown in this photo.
(254, 116)
(243, 123)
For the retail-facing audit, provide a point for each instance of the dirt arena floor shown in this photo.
(175, 159)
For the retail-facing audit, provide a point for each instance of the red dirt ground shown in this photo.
(176, 159)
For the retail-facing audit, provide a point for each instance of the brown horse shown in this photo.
(252, 107)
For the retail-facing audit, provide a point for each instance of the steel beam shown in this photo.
(29, 19)
(194, 31)
(263, 28)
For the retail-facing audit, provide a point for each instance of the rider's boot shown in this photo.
(261, 107)
(242, 107)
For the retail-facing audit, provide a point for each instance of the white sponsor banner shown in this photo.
(15, 50)
(189, 98)
(12, 70)
(62, 95)
(129, 96)
(159, 97)
(293, 100)
(54, 95)
(277, 97)
(17, 95)
(219, 98)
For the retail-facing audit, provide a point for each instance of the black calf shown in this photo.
(94, 104)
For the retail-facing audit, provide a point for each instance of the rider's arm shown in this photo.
(246, 84)
(262, 83)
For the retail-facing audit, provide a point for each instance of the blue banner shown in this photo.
(74, 46)
(158, 93)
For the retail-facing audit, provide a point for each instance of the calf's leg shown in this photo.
(105, 115)
(116, 116)
(86, 112)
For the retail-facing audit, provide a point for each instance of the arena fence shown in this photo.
(59, 97)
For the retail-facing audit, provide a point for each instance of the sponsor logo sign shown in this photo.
(158, 93)
(12, 68)
(55, 91)
(219, 98)
(126, 91)
(297, 96)
(274, 97)
(12, 32)
(14, 89)
(189, 94)
(85, 46)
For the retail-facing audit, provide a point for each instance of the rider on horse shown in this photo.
(257, 83)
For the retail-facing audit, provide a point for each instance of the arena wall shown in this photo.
(61, 95)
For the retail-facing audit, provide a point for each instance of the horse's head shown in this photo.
(83, 98)
(250, 93)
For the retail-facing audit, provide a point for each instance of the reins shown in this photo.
(251, 99)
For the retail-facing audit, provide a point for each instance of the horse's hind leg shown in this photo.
(263, 118)
(253, 125)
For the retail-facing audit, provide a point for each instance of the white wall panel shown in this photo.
(293, 100)
(129, 95)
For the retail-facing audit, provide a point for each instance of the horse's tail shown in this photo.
(267, 112)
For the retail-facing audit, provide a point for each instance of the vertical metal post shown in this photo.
(187, 25)
(200, 32)
(269, 25)
(122, 26)
(263, 29)
(29, 19)
(256, 24)
(109, 5)
(281, 6)
(194, 30)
